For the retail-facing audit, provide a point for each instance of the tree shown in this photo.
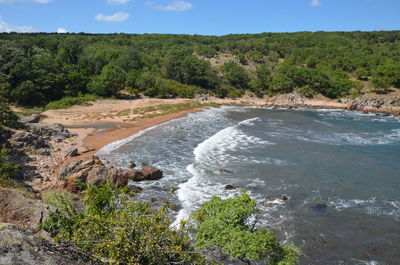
(231, 225)
(235, 75)
(109, 82)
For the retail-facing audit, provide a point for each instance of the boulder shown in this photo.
(151, 173)
(34, 118)
(135, 189)
(230, 187)
(132, 165)
(120, 179)
(71, 153)
(20, 246)
(18, 209)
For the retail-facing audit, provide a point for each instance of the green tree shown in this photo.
(231, 225)
(109, 82)
(235, 75)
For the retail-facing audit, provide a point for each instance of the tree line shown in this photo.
(38, 68)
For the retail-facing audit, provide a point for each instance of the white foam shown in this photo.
(370, 206)
(377, 138)
(212, 154)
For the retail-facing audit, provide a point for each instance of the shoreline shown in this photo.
(101, 124)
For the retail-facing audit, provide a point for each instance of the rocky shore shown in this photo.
(53, 159)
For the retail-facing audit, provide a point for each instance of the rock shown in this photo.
(283, 198)
(34, 118)
(69, 169)
(151, 173)
(223, 170)
(269, 204)
(132, 165)
(120, 180)
(21, 246)
(135, 189)
(71, 153)
(17, 209)
(230, 187)
(320, 207)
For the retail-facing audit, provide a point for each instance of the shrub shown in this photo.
(67, 102)
(7, 117)
(114, 227)
(231, 226)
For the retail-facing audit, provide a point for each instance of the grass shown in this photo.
(67, 102)
(11, 184)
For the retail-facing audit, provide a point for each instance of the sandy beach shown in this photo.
(106, 121)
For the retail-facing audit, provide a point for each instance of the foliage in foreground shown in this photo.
(8, 170)
(231, 225)
(121, 230)
(114, 227)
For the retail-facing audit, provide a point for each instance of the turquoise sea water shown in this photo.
(340, 170)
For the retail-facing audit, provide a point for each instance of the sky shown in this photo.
(203, 17)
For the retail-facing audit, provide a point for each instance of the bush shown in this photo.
(8, 169)
(67, 102)
(114, 227)
(231, 226)
(7, 117)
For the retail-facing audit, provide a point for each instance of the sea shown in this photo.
(339, 170)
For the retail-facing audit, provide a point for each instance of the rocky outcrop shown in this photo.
(34, 118)
(18, 209)
(374, 103)
(19, 246)
(289, 100)
(92, 171)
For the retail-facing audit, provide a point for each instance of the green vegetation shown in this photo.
(67, 102)
(8, 170)
(8, 117)
(114, 227)
(39, 68)
(123, 231)
(231, 225)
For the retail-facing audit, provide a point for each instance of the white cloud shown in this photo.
(117, 17)
(35, 1)
(117, 2)
(5, 27)
(315, 3)
(176, 6)
(62, 30)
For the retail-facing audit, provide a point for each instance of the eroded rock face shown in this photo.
(93, 172)
(19, 246)
(17, 209)
(289, 100)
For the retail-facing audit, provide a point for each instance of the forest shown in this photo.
(39, 68)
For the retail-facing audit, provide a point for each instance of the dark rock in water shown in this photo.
(153, 199)
(119, 180)
(34, 118)
(283, 198)
(270, 204)
(144, 164)
(151, 173)
(223, 170)
(135, 189)
(21, 246)
(321, 207)
(71, 153)
(230, 187)
(132, 165)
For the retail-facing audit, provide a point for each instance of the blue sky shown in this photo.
(206, 17)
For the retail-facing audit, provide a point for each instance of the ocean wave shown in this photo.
(370, 206)
(213, 154)
(338, 138)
